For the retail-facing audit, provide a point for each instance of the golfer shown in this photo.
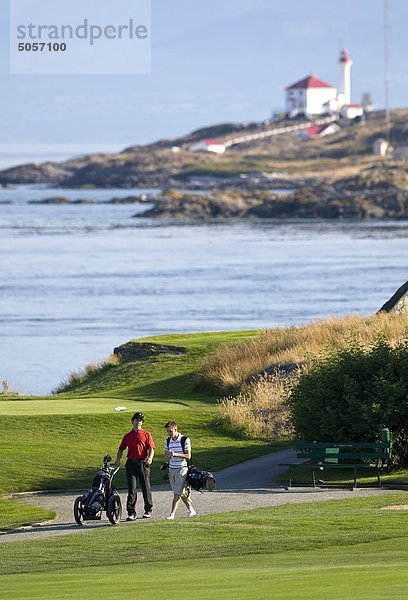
(177, 455)
(140, 452)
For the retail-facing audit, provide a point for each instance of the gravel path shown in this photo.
(244, 486)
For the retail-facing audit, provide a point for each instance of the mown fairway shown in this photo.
(337, 549)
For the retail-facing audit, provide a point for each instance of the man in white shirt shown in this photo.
(177, 450)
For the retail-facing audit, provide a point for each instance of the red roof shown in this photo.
(211, 142)
(352, 106)
(309, 82)
(316, 130)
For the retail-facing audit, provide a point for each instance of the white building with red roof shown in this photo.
(351, 111)
(315, 97)
(208, 145)
(318, 131)
(309, 95)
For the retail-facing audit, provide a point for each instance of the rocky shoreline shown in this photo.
(367, 197)
(61, 200)
(379, 192)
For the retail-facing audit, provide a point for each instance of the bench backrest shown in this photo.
(328, 452)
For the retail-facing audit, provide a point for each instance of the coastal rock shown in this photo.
(329, 204)
(128, 200)
(285, 369)
(142, 350)
(398, 303)
(311, 202)
(48, 172)
(54, 200)
(199, 207)
(62, 200)
(377, 178)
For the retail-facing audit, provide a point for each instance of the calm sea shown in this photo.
(76, 281)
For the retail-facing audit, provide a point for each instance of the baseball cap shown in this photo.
(138, 416)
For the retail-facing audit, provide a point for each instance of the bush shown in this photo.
(351, 395)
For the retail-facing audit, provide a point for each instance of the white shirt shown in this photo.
(176, 462)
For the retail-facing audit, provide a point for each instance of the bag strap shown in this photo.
(183, 446)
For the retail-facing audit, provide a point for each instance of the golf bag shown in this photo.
(101, 497)
(196, 479)
(201, 480)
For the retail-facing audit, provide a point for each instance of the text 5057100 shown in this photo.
(42, 47)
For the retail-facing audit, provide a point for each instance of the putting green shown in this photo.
(81, 406)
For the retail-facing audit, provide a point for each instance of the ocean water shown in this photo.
(19, 154)
(76, 281)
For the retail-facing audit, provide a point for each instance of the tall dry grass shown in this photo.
(229, 368)
(75, 378)
(6, 390)
(260, 410)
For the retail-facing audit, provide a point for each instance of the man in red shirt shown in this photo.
(140, 452)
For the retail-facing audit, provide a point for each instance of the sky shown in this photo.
(215, 61)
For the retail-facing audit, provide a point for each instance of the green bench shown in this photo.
(321, 456)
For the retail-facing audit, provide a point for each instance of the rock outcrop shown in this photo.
(398, 303)
(47, 172)
(142, 350)
(311, 202)
(200, 207)
(61, 200)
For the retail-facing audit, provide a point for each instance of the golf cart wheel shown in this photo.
(79, 510)
(114, 511)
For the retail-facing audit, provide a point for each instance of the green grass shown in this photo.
(60, 406)
(64, 451)
(228, 167)
(380, 575)
(15, 514)
(65, 436)
(337, 549)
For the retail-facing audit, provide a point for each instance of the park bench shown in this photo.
(322, 456)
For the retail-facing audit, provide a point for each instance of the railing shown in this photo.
(278, 131)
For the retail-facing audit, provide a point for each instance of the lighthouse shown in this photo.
(345, 63)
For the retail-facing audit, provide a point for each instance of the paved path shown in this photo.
(244, 486)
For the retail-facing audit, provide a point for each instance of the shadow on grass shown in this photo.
(68, 479)
(334, 478)
(54, 528)
(267, 491)
(209, 459)
(175, 389)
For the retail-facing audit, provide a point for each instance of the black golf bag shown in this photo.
(101, 497)
(200, 480)
(196, 479)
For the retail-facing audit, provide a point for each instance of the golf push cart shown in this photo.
(102, 497)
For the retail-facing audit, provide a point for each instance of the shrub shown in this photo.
(351, 395)
(6, 391)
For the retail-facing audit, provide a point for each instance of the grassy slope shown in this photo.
(65, 436)
(336, 549)
(14, 514)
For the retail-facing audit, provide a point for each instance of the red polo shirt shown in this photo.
(137, 443)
